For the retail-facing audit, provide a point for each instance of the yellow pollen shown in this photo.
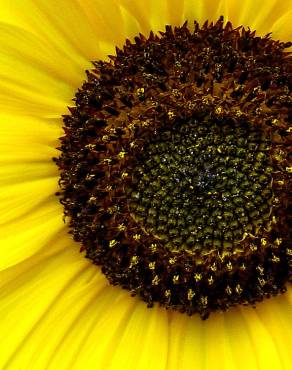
(175, 279)
(238, 289)
(137, 236)
(262, 281)
(190, 105)
(253, 247)
(219, 110)
(145, 123)
(263, 242)
(275, 259)
(198, 276)
(151, 265)
(205, 100)
(112, 130)
(229, 266)
(278, 241)
(89, 176)
(111, 210)
(275, 122)
(289, 169)
(204, 300)
(279, 155)
(260, 270)
(170, 114)
(112, 243)
(124, 175)
(213, 267)
(122, 154)
(121, 227)
(155, 280)
(134, 261)
(105, 138)
(238, 113)
(228, 290)
(245, 235)
(167, 293)
(191, 294)
(131, 126)
(176, 92)
(140, 91)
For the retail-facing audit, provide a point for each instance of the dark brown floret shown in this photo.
(176, 167)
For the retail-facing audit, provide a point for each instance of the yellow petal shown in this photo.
(140, 10)
(132, 26)
(149, 327)
(263, 344)
(186, 342)
(242, 338)
(97, 327)
(47, 295)
(28, 84)
(276, 316)
(16, 201)
(55, 23)
(28, 140)
(30, 233)
(257, 15)
(282, 26)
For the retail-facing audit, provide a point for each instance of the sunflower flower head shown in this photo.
(174, 171)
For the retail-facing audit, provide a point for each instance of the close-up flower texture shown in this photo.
(146, 185)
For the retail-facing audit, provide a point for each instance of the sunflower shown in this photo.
(58, 310)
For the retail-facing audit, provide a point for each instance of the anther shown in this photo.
(112, 243)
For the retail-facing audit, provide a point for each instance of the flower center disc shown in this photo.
(201, 186)
(176, 167)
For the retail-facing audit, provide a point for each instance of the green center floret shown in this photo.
(200, 186)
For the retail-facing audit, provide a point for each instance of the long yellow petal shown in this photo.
(30, 233)
(37, 297)
(149, 327)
